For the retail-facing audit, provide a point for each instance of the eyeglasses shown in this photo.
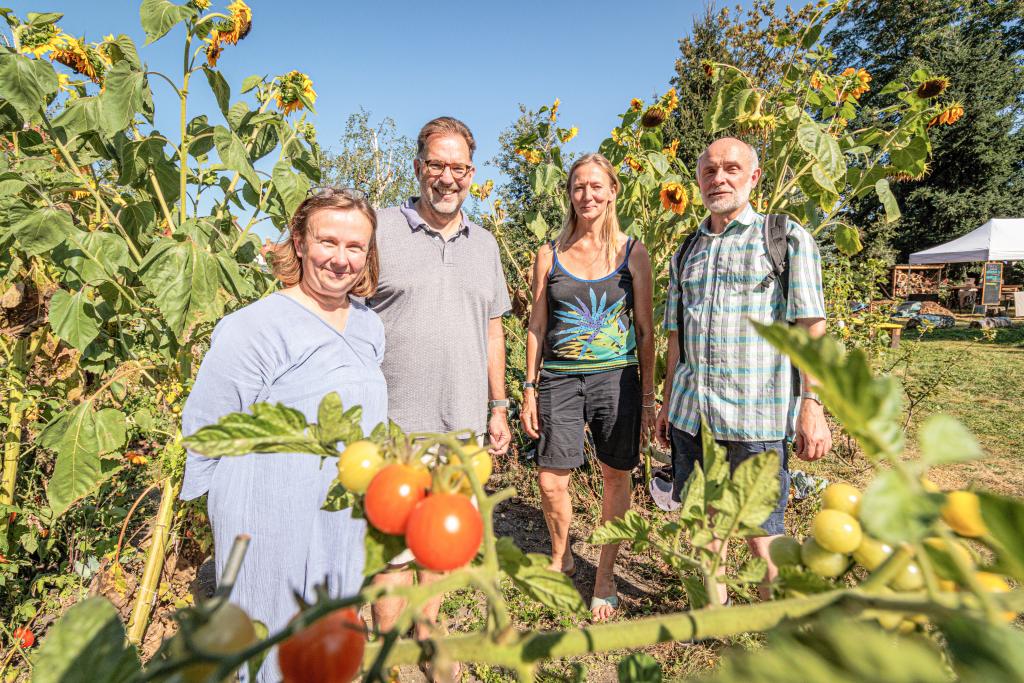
(436, 168)
(327, 192)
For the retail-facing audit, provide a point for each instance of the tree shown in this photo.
(374, 159)
(974, 172)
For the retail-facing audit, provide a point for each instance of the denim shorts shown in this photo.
(687, 450)
(608, 402)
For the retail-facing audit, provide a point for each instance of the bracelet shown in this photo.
(648, 405)
(529, 385)
(649, 393)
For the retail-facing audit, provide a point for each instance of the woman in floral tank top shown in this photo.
(589, 361)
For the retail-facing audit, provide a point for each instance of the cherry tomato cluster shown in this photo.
(441, 526)
(837, 542)
(328, 651)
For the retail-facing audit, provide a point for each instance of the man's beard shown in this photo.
(436, 203)
(729, 203)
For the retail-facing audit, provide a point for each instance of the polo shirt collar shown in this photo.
(416, 221)
(746, 218)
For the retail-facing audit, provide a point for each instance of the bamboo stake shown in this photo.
(146, 599)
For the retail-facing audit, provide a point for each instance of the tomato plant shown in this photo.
(392, 495)
(24, 636)
(328, 651)
(228, 630)
(358, 464)
(444, 531)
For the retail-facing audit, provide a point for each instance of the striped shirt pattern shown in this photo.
(732, 376)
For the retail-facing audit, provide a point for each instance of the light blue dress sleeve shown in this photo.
(231, 378)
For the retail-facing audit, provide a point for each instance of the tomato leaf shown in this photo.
(894, 512)
(1004, 518)
(801, 580)
(630, 527)
(752, 493)
(868, 407)
(380, 549)
(160, 16)
(270, 428)
(639, 667)
(530, 573)
(340, 498)
(87, 644)
(944, 439)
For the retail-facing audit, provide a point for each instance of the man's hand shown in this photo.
(499, 433)
(813, 437)
(661, 428)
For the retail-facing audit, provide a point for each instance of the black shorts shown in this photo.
(608, 402)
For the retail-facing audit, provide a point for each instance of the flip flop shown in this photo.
(571, 571)
(610, 601)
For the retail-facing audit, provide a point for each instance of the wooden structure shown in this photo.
(909, 280)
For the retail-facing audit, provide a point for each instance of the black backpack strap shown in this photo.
(776, 234)
(679, 261)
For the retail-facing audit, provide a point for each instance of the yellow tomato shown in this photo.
(871, 553)
(842, 497)
(836, 531)
(962, 512)
(480, 461)
(358, 464)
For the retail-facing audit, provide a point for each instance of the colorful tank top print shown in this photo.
(590, 322)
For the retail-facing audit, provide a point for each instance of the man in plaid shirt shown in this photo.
(731, 377)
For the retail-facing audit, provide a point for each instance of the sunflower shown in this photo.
(816, 80)
(674, 197)
(949, 115)
(709, 69)
(653, 117)
(554, 109)
(860, 81)
(238, 26)
(569, 134)
(200, 5)
(672, 148)
(634, 164)
(532, 156)
(933, 87)
(294, 86)
(671, 100)
(636, 104)
(85, 59)
(213, 49)
(38, 40)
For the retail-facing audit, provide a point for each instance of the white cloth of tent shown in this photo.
(1000, 239)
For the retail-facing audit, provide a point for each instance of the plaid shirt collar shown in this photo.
(746, 218)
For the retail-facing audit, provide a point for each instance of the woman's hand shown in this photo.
(648, 425)
(528, 415)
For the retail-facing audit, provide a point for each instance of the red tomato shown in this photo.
(444, 531)
(24, 636)
(328, 651)
(393, 494)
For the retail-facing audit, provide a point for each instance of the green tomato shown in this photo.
(358, 464)
(822, 562)
(784, 551)
(841, 497)
(910, 579)
(871, 553)
(836, 531)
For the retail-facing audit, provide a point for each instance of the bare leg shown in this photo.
(554, 497)
(617, 489)
(759, 546)
(723, 550)
(386, 610)
(432, 607)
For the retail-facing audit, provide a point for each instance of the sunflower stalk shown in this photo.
(146, 599)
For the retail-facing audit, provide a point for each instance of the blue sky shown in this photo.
(416, 60)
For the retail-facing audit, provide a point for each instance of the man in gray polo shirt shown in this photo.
(441, 295)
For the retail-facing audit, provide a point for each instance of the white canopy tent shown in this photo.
(1000, 239)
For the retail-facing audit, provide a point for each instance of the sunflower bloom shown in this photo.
(554, 109)
(672, 148)
(201, 5)
(816, 80)
(135, 458)
(859, 84)
(38, 40)
(933, 87)
(569, 134)
(949, 115)
(634, 164)
(294, 86)
(213, 49)
(82, 58)
(670, 101)
(674, 197)
(654, 117)
(532, 156)
(636, 104)
(239, 25)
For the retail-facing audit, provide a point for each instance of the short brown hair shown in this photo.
(444, 125)
(285, 262)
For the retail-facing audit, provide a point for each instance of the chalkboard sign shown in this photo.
(991, 282)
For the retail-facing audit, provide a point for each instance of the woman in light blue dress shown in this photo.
(293, 347)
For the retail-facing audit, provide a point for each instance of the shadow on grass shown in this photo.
(1005, 336)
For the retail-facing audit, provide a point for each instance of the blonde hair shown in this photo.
(284, 261)
(608, 224)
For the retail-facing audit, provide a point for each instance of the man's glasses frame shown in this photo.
(436, 168)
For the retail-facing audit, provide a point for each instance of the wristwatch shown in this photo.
(810, 395)
(502, 403)
(529, 385)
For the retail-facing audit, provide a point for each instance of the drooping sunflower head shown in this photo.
(949, 115)
(634, 164)
(294, 90)
(636, 104)
(200, 5)
(933, 87)
(213, 48)
(237, 27)
(670, 100)
(674, 198)
(38, 40)
(654, 116)
(857, 84)
(905, 177)
(569, 134)
(87, 60)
